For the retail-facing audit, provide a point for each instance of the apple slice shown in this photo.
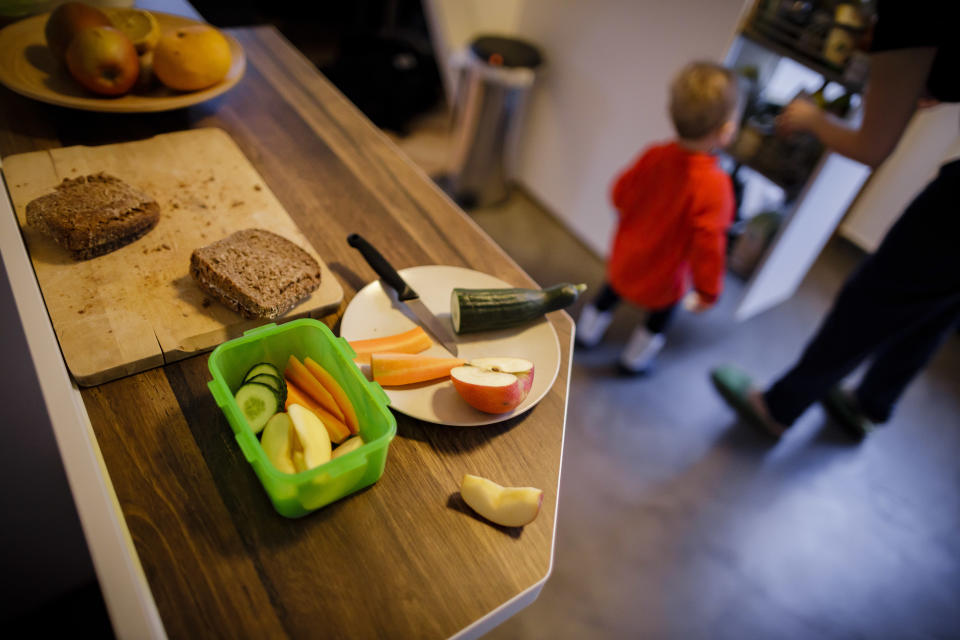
(493, 385)
(506, 506)
(312, 436)
(277, 442)
(352, 444)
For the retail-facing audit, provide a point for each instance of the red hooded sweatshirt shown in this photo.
(675, 207)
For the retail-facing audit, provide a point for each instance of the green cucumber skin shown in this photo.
(261, 368)
(492, 309)
(278, 384)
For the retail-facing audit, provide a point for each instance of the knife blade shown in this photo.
(405, 293)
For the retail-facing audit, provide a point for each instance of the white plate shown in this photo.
(374, 312)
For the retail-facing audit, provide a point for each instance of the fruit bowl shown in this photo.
(28, 67)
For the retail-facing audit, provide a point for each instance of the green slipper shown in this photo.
(842, 407)
(734, 386)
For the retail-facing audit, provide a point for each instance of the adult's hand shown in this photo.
(800, 115)
(897, 80)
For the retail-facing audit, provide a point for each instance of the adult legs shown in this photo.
(901, 359)
(900, 299)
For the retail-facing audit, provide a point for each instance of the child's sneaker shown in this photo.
(641, 350)
(591, 325)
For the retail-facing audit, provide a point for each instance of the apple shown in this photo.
(313, 446)
(506, 506)
(69, 19)
(103, 60)
(277, 442)
(493, 385)
(351, 444)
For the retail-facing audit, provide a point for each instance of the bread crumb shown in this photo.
(236, 203)
(175, 205)
(257, 187)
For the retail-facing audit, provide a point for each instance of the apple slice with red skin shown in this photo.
(493, 385)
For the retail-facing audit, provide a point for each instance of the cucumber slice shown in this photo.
(262, 367)
(276, 383)
(258, 402)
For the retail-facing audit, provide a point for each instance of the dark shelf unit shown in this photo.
(782, 39)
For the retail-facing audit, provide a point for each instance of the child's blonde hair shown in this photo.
(703, 96)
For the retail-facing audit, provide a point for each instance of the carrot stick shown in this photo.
(340, 397)
(298, 373)
(337, 430)
(413, 341)
(392, 369)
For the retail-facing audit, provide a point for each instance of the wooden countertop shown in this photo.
(403, 558)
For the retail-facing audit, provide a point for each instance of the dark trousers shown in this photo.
(657, 319)
(896, 310)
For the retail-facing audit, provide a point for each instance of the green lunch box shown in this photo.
(295, 495)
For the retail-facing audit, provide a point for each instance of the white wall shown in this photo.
(601, 96)
(453, 23)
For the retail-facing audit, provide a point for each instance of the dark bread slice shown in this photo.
(93, 215)
(255, 272)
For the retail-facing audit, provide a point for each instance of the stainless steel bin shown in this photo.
(494, 78)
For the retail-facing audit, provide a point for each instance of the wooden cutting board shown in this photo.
(137, 307)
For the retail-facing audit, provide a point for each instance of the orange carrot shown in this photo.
(391, 369)
(298, 373)
(413, 341)
(337, 430)
(340, 397)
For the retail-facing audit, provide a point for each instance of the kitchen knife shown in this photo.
(405, 294)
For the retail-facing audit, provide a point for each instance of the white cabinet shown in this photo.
(932, 138)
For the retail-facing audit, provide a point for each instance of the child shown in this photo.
(675, 205)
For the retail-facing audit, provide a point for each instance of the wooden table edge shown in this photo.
(130, 604)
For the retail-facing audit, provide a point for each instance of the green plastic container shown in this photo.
(295, 495)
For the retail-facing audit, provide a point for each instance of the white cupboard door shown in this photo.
(817, 211)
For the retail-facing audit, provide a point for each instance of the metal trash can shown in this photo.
(494, 77)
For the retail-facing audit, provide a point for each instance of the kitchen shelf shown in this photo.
(791, 189)
(766, 35)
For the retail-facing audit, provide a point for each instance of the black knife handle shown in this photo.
(383, 268)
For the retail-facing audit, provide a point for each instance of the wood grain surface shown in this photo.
(138, 307)
(404, 558)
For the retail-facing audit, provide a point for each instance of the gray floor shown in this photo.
(675, 521)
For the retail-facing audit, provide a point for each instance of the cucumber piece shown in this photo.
(489, 309)
(278, 384)
(258, 402)
(262, 367)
